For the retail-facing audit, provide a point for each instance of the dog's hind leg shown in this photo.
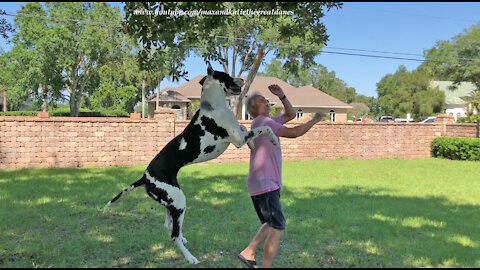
(174, 200)
(177, 237)
(168, 220)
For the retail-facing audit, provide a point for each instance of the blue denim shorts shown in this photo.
(269, 209)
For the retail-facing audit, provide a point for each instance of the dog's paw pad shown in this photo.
(275, 140)
(192, 260)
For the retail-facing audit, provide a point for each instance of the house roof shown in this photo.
(306, 96)
(170, 95)
(454, 96)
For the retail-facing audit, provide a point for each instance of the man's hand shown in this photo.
(276, 90)
(318, 117)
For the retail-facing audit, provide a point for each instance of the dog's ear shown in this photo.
(209, 68)
(202, 80)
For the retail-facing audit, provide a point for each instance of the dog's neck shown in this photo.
(214, 95)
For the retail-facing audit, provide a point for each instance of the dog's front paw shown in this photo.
(251, 145)
(192, 259)
(274, 140)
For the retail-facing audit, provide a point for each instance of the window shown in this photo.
(179, 112)
(299, 114)
(332, 116)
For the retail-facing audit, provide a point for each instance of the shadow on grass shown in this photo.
(54, 218)
(357, 227)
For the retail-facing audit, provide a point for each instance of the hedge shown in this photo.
(66, 112)
(19, 113)
(456, 148)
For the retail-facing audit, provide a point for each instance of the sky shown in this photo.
(403, 28)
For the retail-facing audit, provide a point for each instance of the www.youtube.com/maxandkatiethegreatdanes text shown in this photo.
(202, 12)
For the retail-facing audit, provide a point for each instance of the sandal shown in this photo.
(248, 263)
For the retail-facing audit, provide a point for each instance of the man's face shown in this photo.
(263, 107)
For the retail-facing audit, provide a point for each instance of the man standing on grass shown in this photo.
(265, 174)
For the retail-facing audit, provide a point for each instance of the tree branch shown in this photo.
(234, 57)
(225, 63)
(251, 76)
(245, 60)
(225, 66)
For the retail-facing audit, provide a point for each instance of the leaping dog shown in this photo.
(206, 137)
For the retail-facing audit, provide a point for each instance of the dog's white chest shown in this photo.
(211, 148)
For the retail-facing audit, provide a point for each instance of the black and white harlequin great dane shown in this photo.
(207, 136)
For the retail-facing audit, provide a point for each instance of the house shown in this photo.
(306, 100)
(454, 104)
(169, 98)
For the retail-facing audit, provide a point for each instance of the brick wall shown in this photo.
(461, 130)
(79, 142)
(366, 141)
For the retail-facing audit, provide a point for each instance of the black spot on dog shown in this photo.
(205, 105)
(175, 213)
(212, 127)
(209, 149)
(249, 135)
(168, 162)
(225, 79)
(158, 194)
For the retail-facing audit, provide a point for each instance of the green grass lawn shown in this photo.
(340, 213)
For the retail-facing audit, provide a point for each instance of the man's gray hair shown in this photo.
(250, 100)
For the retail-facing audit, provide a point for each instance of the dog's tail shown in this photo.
(140, 182)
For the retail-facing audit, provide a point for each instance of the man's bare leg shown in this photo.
(249, 251)
(271, 246)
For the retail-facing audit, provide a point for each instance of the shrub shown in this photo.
(19, 113)
(65, 111)
(456, 148)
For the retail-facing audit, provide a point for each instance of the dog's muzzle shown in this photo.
(237, 89)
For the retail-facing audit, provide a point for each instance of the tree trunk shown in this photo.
(5, 100)
(478, 128)
(143, 96)
(45, 94)
(250, 77)
(75, 99)
(478, 123)
(160, 78)
(234, 57)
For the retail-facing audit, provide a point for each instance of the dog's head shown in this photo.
(221, 81)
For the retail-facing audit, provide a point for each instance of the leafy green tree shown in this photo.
(72, 41)
(116, 95)
(372, 104)
(359, 109)
(193, 107)
(250, 38)
(5, 27)
(37, 45)
(458, 60)
(409, 92)
(7, 80)
(316, 75)
(17, 80)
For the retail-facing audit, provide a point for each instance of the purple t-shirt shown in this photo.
(265, 172)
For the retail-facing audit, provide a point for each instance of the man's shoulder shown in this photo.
(261, 120)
